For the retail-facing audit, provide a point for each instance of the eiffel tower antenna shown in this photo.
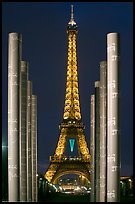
(72, 22)
(72, 12)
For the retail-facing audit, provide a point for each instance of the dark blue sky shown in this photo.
(43, 29)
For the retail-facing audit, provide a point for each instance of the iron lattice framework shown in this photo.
(71, 127)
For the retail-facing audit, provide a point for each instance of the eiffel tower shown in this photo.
(71, 128)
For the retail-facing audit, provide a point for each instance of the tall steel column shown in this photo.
(29, 161)
(92, 148)
(103, 130)
(113, 137)
(34, 148)
(97, 138)
(14, 57)
(23, 119)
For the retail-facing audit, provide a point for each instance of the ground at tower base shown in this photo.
(46, 193)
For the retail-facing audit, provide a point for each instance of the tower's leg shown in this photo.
(113, 144)
(14, 57)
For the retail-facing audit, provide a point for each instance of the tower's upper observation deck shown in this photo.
(72, 24)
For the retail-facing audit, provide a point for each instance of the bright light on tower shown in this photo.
(72, 142)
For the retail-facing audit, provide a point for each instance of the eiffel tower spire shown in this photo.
(72, 104)
(72, 13)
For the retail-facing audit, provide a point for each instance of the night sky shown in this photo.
(44, 46)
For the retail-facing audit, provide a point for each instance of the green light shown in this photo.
(72, 142)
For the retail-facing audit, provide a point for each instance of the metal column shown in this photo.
(23, 118)
(97, 138)
(92, 148)
(113, 143)
(29, 161)
(103, 129)
(14, 57)
(34, 148)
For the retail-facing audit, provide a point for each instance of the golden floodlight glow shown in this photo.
(72, 105)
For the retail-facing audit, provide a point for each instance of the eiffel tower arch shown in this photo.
(71, 128)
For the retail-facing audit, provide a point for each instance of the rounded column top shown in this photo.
(97, 83)
(34, 96)
(113, 33)
(112, 37)
(103, 63)
(15, 36)
(24, 66)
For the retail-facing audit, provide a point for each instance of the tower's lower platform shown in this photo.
(67, 165)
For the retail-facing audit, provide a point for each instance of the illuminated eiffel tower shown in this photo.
(71, 128)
